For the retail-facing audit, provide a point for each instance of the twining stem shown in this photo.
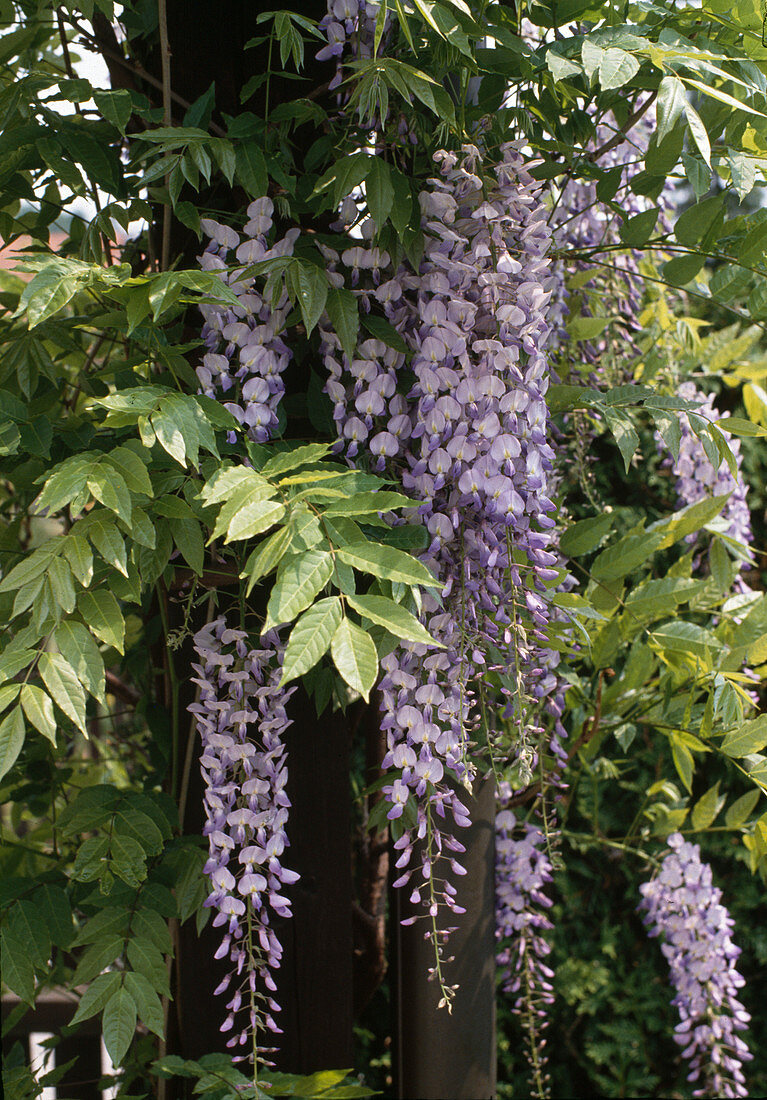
(165, 56)
(254, 1013)
(71, 74)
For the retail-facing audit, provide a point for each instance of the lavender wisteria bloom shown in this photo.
(467, 435)
(247, 355)
(698, 478)
(682, 905)
(523, 871)
(241, 718)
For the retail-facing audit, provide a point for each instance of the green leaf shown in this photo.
(355, 656)
(624, 433)
(113, 920)
(251, 169)
(387, 563)
(694, 223)
(18, 968)
(11, 739)
(226, 481)
(106, 537)
(253, 518)
(190, 888)
(310, 638)
(393, 617)
(672, 100)
(147, 1002)
(681, 269)
(341, 306)
(380, 328)
(298, 582)
(116, 107)
(25, 923)
(749, 738)
(132, 469)
(96, 996)
(79, 649)
(131, 822)
(55, 909)
(150, 925)
(97, 958)
(636, 231)
(60, 581)
(706, 808)
(39, 710)
(379, 190)
(585, 535)
(741, 809)
(266, 556)
(147, 960)
(310, 288)
(683, 761)
(699, 132)
(172, 432)
(80, 557)
(188, 537)
(686, 521)
(616, 68)
(293, 459)
(128, 859)
(368, 504)
(65, 688)
(658, 595)
(119, 1024)
(102, 613)
(91, 859)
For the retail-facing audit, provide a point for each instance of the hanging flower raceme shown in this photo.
(461, 419)
(242, 719)
(697, 477)
(247, 354)
(523, 871)
(683, 906)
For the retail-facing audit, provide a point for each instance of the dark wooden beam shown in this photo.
(437, 1054)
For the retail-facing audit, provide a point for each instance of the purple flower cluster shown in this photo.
(242, 719)
(462, 421)
(697, 477)
(523, 871)
(683, 907)
(246, 355)
(349, 28)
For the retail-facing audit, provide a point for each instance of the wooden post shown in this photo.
(436, 1054)
(315, 981)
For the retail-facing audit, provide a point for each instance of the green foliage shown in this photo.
(130, 505)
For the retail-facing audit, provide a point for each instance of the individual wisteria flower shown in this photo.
(241, 718)
(682, 906)
(698, 478)
(247, 355)
(462, 421)
(523, 872)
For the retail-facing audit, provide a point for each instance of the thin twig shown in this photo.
(105, 243)
(619, 137)
(136, 68)
(167, 119)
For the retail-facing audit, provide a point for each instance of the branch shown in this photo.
(120, 689)
(107, 45)
(167, 119)
(620, 136)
